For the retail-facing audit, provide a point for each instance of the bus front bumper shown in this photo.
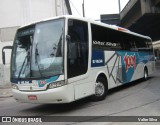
(64, 94)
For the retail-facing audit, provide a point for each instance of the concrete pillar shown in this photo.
(146, 6)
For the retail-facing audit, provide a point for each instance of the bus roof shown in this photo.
(114, 27)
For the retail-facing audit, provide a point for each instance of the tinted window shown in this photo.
(129, 42)
(143, 44)
(109, 39)
(77, 48)
(105, 38)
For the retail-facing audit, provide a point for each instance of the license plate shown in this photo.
(32, 97)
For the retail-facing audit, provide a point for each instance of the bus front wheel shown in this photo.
(100, 89)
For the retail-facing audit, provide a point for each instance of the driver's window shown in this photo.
(77, 48)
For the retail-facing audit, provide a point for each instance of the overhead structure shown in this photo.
(142, 16)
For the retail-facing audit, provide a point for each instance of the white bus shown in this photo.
(64, 59)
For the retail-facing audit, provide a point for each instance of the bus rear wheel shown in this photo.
(100, 90)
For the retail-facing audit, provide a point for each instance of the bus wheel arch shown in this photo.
(145, 73)
(101, 87)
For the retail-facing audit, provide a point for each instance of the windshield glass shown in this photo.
(38, 50)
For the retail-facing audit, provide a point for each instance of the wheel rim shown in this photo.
(99, 89)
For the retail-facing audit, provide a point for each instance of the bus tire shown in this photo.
(145, 73)
(101, 89)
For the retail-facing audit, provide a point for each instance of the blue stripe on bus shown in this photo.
(97, 58)
(140, 57)
(42, 83)
(129, 64)
(129, 61)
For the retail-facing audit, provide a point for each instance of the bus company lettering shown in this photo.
(130, 61)
(104, 43)
(98, 61)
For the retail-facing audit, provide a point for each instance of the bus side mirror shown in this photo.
(3, 53)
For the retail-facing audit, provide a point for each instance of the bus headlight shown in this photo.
(14, 86)
(56, 84)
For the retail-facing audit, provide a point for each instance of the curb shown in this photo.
(6, 96)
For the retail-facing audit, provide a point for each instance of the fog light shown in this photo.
(56, 84)
(14, 86)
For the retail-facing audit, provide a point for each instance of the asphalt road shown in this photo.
(139, 98)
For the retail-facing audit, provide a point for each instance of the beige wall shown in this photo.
(20, 12)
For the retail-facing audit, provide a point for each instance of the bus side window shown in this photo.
(129, 43)
(133, 46)
(150, 46)
(141, 44)
(73, 48)
(77, 48)
(105, 38)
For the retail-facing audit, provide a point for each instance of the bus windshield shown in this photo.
(38, 50)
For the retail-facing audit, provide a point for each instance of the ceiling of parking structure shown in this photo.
(149, 25)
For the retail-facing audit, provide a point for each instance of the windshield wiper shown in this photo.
(36, 54)
(26, 58)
